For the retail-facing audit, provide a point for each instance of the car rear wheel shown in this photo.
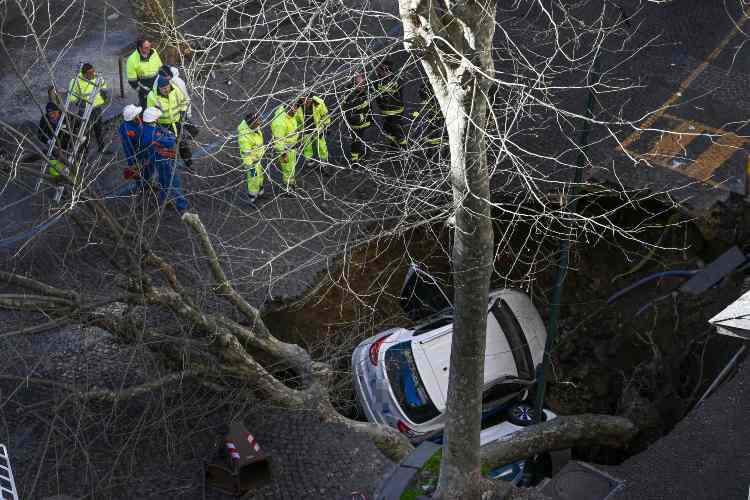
(522, 414)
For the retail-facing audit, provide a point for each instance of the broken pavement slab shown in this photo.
(714, 272)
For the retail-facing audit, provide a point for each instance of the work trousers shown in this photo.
(171, 187)
(315, 144)
(288, 167)
(358, 148)
(254, 176)
(95, 125)
(143, 95)
(393, 127)
(183, 142)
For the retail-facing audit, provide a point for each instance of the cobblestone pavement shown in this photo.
(154, 447)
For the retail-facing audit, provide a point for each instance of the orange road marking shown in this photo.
(686, 83)
(720, 151)
(674, 142)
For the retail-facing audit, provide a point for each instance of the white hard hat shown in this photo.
(151, 115)
(130, 111)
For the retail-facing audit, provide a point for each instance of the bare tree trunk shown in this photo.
(472, 256)
(458, 73)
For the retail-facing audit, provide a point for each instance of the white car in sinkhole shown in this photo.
(401, 374)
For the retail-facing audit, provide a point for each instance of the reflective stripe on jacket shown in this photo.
(170, 106)
(284, 129)
(389, 96)
(159, 143)
(143, 70)
(80, 89)
(252, 147)
(357, 110)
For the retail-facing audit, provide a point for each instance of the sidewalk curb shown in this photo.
(396, 482)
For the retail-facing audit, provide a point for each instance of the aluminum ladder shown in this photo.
(8, 489)
(78, 137)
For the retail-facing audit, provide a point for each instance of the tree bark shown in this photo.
(558, 434)
(456, 47)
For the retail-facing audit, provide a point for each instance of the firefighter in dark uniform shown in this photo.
(391, 103)
(358, 116)
(428, 126)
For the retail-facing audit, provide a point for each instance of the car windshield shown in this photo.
(408, 388)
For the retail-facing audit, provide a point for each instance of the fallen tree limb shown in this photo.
(28, 302)
(44, 327)
(558, 434)
(224, 287)
(38, 286)
(110, 395)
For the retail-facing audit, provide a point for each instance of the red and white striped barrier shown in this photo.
(253, 443)
(234, 453)
(232, 450)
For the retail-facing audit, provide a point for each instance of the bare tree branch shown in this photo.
(558, 434)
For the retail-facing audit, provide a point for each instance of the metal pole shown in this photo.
(554, 312)
(119, 69)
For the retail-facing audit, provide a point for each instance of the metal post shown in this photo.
(554, 312)
(119, 69)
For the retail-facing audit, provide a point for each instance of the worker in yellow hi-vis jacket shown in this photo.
(312, 119)
(286, 138)
(81, 88)
(173, 105)
(252, 149)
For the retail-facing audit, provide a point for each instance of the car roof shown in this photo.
(432, 354)
(528, 317)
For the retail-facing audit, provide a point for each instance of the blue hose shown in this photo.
(651, 277)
